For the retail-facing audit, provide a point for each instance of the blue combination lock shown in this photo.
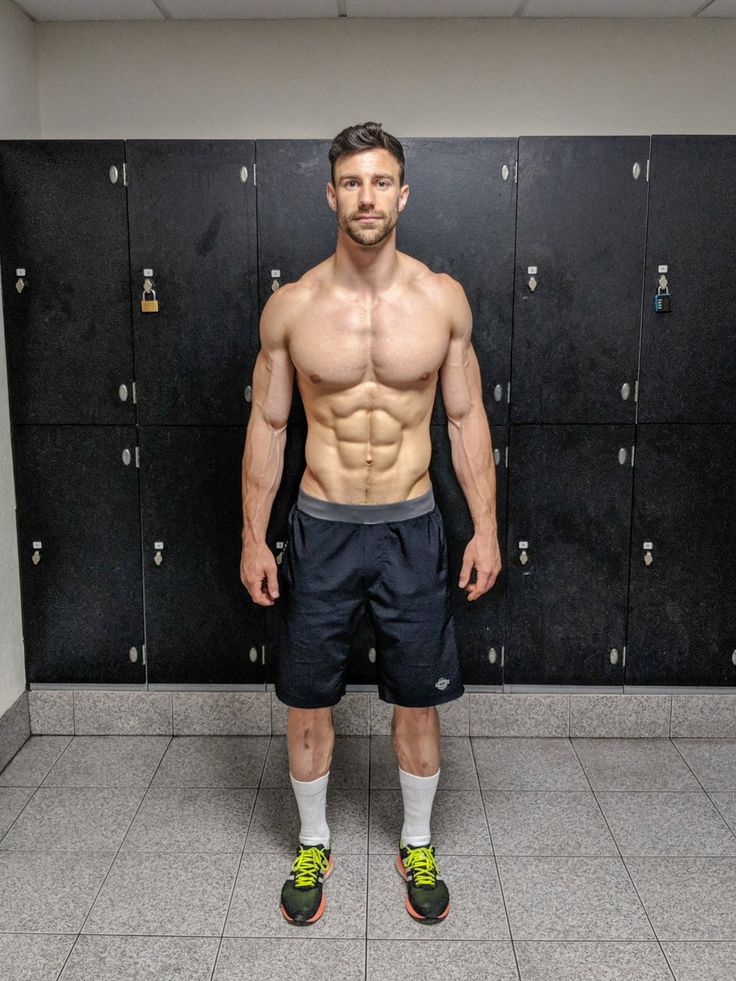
(663, 300)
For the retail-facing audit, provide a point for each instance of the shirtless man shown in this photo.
(368, 331)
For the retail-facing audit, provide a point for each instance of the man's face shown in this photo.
(367, 184)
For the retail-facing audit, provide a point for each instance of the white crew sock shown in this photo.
(418, 794)
(311, 799)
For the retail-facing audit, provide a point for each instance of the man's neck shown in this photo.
(365, 269)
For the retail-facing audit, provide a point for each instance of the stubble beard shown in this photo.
(365, 234)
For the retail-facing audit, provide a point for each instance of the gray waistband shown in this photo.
(367, 514)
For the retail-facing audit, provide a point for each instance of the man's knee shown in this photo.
(310, 721)
(413, 719)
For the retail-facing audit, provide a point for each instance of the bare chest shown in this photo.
(400, 344)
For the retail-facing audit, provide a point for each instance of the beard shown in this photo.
(369, 234)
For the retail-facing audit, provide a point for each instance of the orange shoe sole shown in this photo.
(401, 869)
(320, 908)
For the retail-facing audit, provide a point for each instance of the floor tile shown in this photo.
(713, 761)
(33, 761)
(571, 899)
(590, 961)
(699, 960)
(33, 956)
(49, 892)
(654, 823)
(527, 763)
(547, 822)
(107, 761)
(78, 819)
(255, 908)
(275, 824)
(198, 819)
(108, 958)
(165, 894)
(349, 767)
(290, 959)
(420, 960)
(725, 801)
(688, 898)
(476, 906)
(458, 825)
(12, 802)
(457, 766)
(634, 764)
(212, 761)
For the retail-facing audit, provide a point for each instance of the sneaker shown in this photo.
(427, 896)
(302, 901)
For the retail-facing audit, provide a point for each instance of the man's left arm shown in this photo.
(470, 441)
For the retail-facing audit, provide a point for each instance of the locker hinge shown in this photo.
(623, 659)
(633, 449)
(647, 170)
(516, 164)
(636, 390)
(263, 653)
(134, 397)
(145, 655)
(503, 654)
(255, 182)
(138, 457)
(125, 175)
(508, 393)
(507, 456)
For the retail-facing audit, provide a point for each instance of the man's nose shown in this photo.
(366, 194)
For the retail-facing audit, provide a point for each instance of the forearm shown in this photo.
(263, 465)
(472, 460)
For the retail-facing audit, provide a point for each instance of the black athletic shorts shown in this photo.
(390, 559)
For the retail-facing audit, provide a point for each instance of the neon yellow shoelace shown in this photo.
(307, 866)
(422, 862)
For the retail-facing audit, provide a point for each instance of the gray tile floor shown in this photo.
(151, 857)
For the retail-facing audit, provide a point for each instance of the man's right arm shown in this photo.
(265, 438)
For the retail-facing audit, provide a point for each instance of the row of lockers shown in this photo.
(617, 544)
(565, 247)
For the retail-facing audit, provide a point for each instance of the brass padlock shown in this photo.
(149, 306)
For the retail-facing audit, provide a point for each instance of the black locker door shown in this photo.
(479, 625)
(63, 225)
(688, 356)
(569, 511)
(460, 219)
(297, 229)
(79, 553)
(193, 223)
(202, 627)
(682, 619)
(580, 236)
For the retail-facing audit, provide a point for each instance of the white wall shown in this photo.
(452, 77)
(311, 78)
(19, 119)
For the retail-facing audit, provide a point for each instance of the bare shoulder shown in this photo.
(447, 294)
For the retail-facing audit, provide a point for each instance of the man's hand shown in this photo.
(257, 564)
(481, 552)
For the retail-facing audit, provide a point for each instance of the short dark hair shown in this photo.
(365, 136)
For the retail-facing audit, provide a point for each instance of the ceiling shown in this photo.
(77, 10)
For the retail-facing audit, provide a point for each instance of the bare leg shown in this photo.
(310, 739)
(415, 734)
